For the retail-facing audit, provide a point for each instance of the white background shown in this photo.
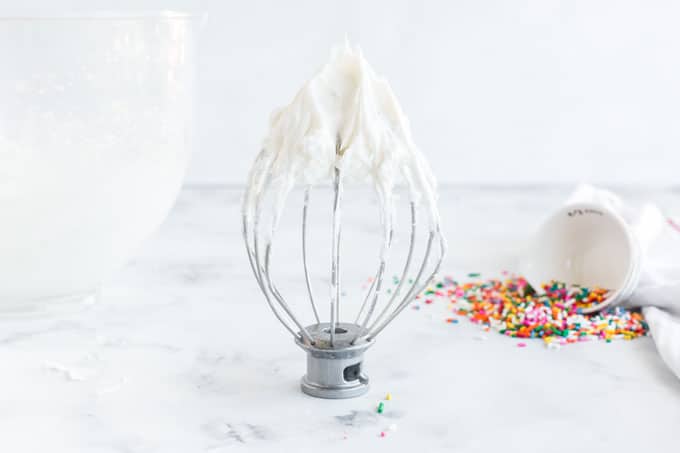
(499, 92)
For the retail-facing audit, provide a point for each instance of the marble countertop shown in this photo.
(181, 353)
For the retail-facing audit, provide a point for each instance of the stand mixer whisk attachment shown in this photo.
(344, 124)
(335, 348)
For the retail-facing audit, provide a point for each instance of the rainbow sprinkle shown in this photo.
(555, 315)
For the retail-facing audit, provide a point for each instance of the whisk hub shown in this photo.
(336, 371)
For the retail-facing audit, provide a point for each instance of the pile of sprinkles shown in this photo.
(555, 313)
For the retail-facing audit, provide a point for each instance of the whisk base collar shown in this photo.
(335, 372)
(312, 389)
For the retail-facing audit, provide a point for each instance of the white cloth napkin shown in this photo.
(658, 292)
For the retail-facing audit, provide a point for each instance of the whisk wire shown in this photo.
(366, 298)
(335, 259)
(304, 254)
(257, 271)
(251, 227)
(410, 294)
(277, 295)
(370, 288)
(417, 287)
(404, 274)
(387, 244)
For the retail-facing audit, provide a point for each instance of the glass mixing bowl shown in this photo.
(94, 128)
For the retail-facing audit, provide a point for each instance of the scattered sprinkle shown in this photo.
(381, 407)
(388, 397)
(474, 274)
(382, 433)
(521, 345)
(553, 313)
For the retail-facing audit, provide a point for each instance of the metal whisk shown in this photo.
(335, 349)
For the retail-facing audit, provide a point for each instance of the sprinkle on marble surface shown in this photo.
(554, 313)
(391, 428)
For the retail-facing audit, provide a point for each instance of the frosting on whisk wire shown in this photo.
(347, 118)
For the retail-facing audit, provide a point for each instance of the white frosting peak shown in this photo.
(346, 117)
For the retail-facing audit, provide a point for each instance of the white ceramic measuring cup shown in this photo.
(586, 244)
